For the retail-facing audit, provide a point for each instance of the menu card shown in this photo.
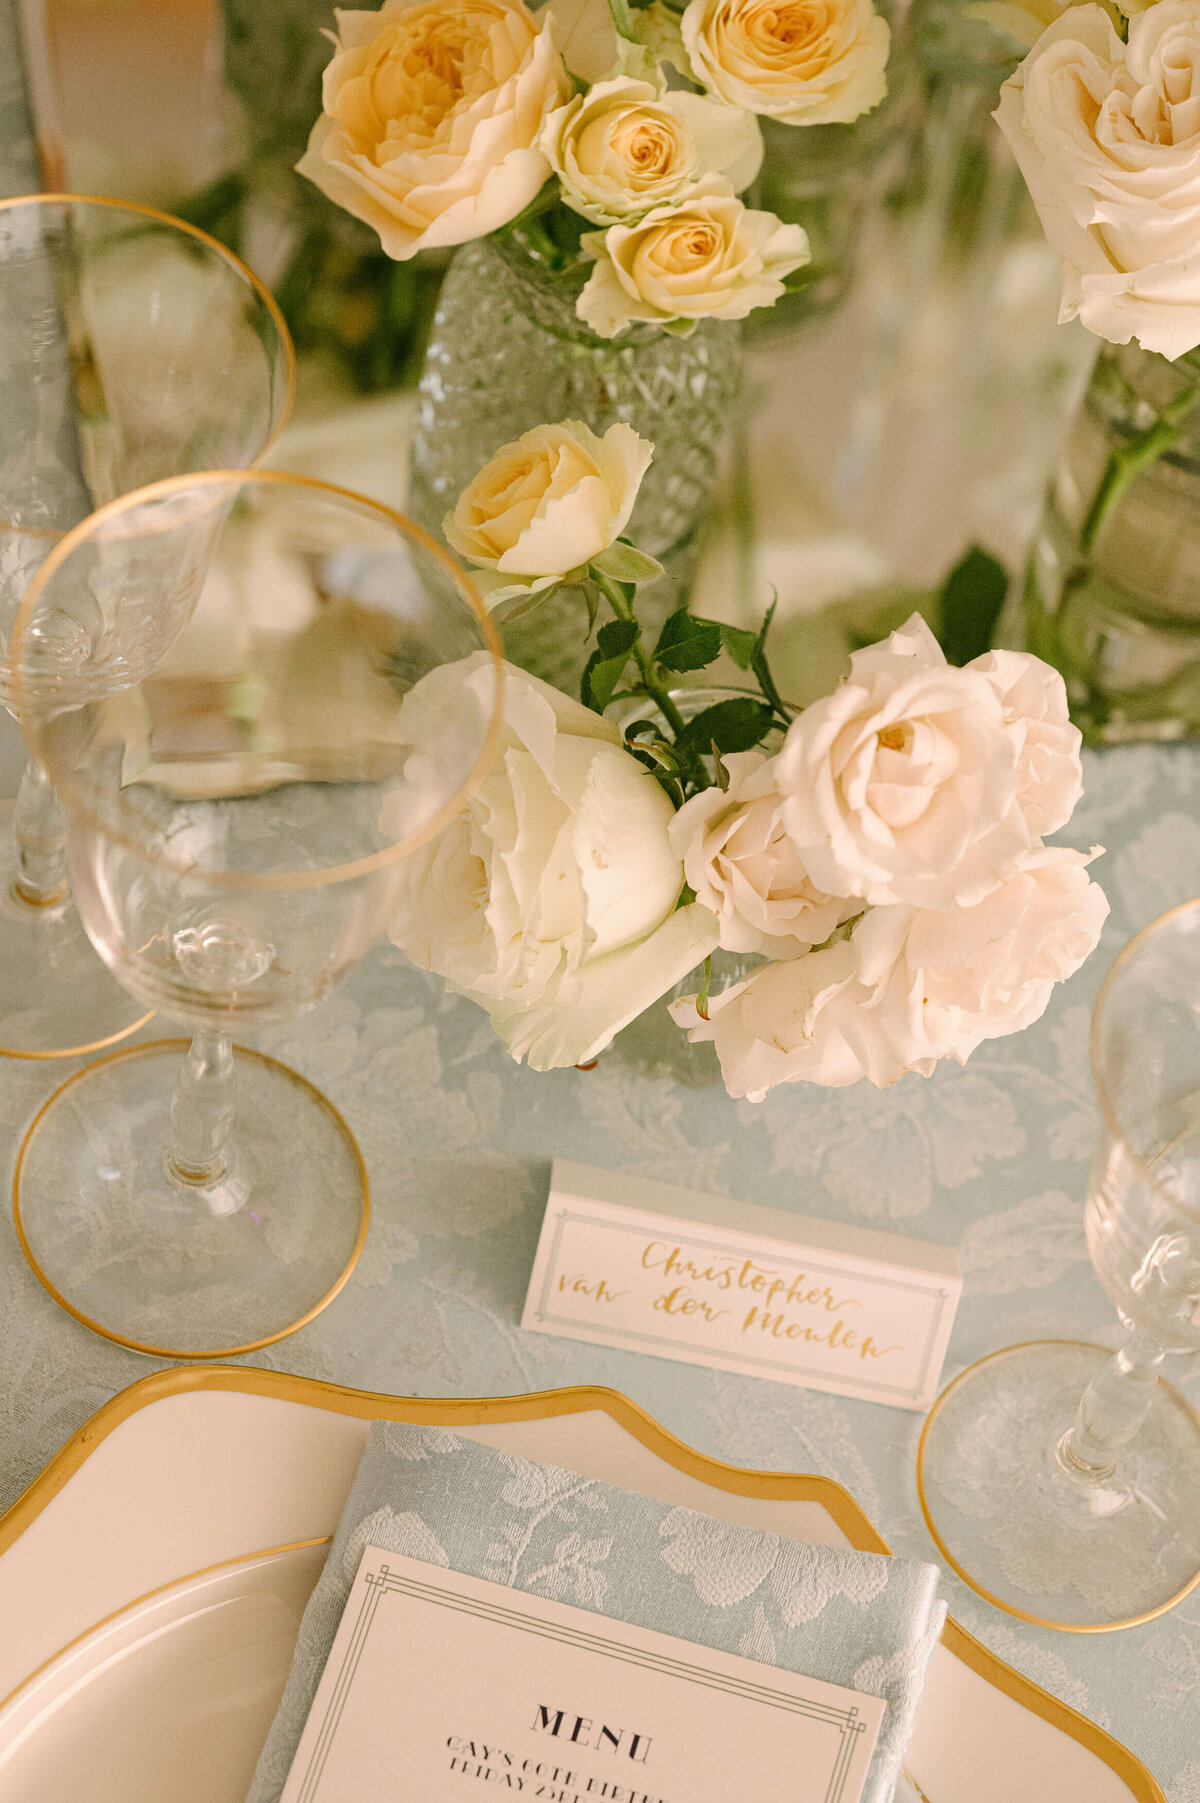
(444, 1686)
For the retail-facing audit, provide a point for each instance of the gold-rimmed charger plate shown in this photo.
(194, 1467)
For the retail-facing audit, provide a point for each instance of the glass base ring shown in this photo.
(183, 1270)
(1007, 1518)
(58, 998)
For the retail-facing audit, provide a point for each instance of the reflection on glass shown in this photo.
(131, 348)
(1085, 1514)
(236, 817)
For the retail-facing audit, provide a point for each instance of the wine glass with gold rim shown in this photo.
(132, 347)
(237, 819)
(1085, 1514)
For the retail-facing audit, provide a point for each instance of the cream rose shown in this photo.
(739, 862)
(551, 898)
(626, 146)
(914, 781)
(432, 115)
(547, 503)
(707, 258)
(806, 62)
(910, 987)
(781, 1025)
(1108, 139)
(935, 985)
(1034, 701)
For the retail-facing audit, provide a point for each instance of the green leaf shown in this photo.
(625, 563)
(621, 17)
(740, 644)
(686, 643)
(614, 642)
(762, 669)
(735, 725)
(971, 598)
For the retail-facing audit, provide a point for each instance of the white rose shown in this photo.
(626, 146)
(910, 782)
(547, 503)
(550, 899)
(432, 115)
(934, 985)
(780, 1025)
(707, 258)
(806, 62)
(1108, 139)
(740, 862)
(911, 986)
(1034, 698)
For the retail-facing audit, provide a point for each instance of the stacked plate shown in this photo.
(153, 1578)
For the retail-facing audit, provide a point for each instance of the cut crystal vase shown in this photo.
(508, 353)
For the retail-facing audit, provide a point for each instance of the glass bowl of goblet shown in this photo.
(1060, 1481)
(237, 819)
(132, 347)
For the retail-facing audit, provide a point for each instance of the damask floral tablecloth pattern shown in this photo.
(991, 1158)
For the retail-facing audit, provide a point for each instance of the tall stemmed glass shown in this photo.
(236, 820)
(132, 347)
(1086, 1515)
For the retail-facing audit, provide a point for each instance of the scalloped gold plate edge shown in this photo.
(774, 1486)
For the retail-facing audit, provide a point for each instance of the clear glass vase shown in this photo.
(508, 353)
(1112, 586)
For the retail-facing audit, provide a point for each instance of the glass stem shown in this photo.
(1114, 1406)
(39, 840)
(202, 1110)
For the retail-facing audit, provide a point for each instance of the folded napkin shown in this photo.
(859, 1619)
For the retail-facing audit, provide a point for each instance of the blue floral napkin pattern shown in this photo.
(857, 1619)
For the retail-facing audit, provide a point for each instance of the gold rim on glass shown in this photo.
(202, 237)
(1115, 970)
(457, 1412)
(174, 1352)
(998, 1602)
(406, 529)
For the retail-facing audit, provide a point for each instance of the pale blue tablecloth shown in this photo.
(991, 1158)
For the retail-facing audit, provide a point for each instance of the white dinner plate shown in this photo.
(152, 1581)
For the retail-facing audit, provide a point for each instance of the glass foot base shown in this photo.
(1015, 1528)
(57, 997)
(176, 1269)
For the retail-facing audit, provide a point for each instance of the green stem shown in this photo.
(1130, 459)
(617, 599)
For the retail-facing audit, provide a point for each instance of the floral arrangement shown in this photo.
(445, 121)
(882, 851)
(1103, 116)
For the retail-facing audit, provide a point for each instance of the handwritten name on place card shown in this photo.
(625, 1262)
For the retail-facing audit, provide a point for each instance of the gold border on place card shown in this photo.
(997, 1602)
(772, 1486)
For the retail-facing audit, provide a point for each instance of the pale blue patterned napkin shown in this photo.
(858, 1619)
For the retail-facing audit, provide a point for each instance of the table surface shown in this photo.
(991, 1158)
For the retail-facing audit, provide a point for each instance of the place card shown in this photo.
(441, 1686)
(626, 1262)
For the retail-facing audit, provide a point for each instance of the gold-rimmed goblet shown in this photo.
(236, 821)
(1085, 1514)
(132, 347)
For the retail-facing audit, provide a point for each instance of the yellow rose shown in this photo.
(432, 115)
(807, 62)
(709, 258)
(626, 146)
(548, 503)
